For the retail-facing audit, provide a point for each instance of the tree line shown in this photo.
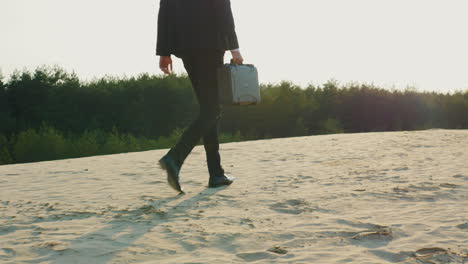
(51, 114)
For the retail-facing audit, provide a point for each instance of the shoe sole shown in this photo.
(173, 183)
(221, 184)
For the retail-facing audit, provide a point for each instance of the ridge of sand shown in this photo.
(393, 197)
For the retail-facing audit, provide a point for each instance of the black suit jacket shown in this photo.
(188, 25)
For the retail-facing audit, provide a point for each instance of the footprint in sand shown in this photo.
(437, 255)
(382, 234)
(278, 250)
(7, 229)
(250, 257)
(401, 169)
(401, 190)
(448, 185)
(373, 236)
(155, 182)
(247, 221)
(305, 177)
(460, 176)
(390, 256)
(56, 246)
(293, 206)
(429, 251)
(359, 224)
(130, 174)
(424, 186)
(7, 252)
(463, 226)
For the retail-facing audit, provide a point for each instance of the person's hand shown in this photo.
(236, 57)
(165, 64)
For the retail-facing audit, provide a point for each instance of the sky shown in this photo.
(394, 44)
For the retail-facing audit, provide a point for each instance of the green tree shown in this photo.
(5, 156)
(120, 114)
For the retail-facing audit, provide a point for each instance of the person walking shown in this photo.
(199, 32)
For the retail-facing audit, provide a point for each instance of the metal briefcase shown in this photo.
(238, 84)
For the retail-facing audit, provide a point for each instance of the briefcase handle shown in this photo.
(232, 63)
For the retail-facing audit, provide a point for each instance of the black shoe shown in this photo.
(220, 180)
(168, 164)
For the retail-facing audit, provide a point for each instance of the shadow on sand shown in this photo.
(128, 225)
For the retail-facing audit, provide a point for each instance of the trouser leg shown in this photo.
(192, 135)
(201, 68)
(211, 144)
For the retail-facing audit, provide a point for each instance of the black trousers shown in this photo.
(201, 67)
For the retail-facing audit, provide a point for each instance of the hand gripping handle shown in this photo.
(232, 62)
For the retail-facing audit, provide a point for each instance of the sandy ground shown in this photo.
(352, 198)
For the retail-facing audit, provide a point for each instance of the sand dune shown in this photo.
(399, 197)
